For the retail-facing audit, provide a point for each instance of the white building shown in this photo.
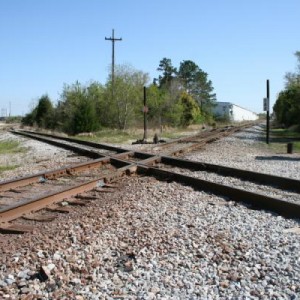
(233, 112)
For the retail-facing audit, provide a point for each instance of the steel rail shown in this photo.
(272, 180)
(12, 212)
(282, 182)
(148, 159)
(205, 134)
(206, 137)
(42, 176)
(72, 140)
(268, 179)
(143, 167)
(89, 153)
(15, 211)
(281, 207)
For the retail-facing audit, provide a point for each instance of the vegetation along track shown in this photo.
(110, 162)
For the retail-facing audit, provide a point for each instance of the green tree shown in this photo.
(127, 103)
(77, 108)
(195, 82)
(30, 118)
(70, 98)
(172, 107)
(287, 105)
(156, 98)
(44, 113)
(293, 78)
(168, 72)
(165, 105)
(191, 110)
(97, 95)
(189, 78)
(187, 73)
(85, 117)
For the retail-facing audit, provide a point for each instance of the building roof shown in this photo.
(230, 103)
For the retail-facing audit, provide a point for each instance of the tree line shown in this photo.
(178, 97)
(287, 105)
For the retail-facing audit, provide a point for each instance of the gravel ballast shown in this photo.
(36, 157)
(247, 150)
(159, 240)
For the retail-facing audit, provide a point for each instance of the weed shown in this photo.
(281, 137)
(7, 168)
(10, 147)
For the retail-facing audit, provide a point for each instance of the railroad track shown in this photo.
(174, 147)
(109, 163)
(185, 144)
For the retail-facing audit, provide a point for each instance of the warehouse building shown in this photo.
(233, 112)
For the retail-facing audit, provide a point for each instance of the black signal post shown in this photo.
(268, 113)
(145, 110)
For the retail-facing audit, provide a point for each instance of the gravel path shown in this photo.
(159, 240)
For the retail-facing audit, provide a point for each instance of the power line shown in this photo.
(113, 40)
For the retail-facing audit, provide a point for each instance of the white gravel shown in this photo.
(36, 157)
(159, 240)
(268, 190)
(247, 150)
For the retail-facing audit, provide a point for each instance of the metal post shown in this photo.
(113, 40)
(145, 109)
(290, 148)
(268, 113)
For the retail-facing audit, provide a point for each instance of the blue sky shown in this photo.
(239, 43)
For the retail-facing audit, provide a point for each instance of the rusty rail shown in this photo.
(41, 176)
(145, 166)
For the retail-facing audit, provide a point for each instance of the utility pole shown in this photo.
(113, 40)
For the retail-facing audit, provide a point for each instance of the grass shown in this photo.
(7, 168)
(110, 136)
(279, 138)
(282, 147)
(115, 136)
(10, 147)
(285, 133)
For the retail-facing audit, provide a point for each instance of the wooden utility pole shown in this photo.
(113, 40)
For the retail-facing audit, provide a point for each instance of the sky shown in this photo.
(45, 44)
